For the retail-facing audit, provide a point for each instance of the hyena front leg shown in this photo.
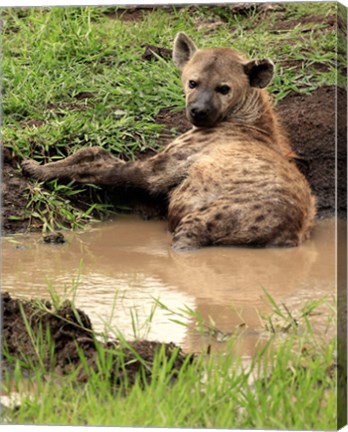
(88, 165)
(158, 174)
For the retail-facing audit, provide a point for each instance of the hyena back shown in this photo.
(230, 180)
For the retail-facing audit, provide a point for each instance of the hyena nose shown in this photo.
(199, 114)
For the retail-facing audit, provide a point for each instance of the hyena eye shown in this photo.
(224, 89)
(192, 84)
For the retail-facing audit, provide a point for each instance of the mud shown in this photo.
(13, 193)
(55, 238)
(127, 14)
(71, 331)
(33, 123)
(314, 142)
(152, 51)
(307, 23)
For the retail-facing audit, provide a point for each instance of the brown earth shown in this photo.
(307, 23)
(151, 51)
(309, 120)
(14, 201)
(71, 331)
(282, 22)
(129, 13)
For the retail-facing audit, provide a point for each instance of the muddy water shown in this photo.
(120, 267)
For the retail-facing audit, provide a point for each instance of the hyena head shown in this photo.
(216, 81)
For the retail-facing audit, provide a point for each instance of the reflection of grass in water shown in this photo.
(280, 320)
(292, 387)
(140, 326)
(284, 320)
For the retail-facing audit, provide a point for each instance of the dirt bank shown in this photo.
(309, 120)
(311, 124)
(71, 331)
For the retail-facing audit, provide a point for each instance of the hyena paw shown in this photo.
(184, 243)
(32, 168)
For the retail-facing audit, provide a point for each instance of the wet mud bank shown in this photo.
(309, 120)
(311, 124)
(72, 336)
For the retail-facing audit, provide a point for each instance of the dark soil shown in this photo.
(307, 23)
(71, 331)
(84, 95)
(174, 123)
(132, 13)
(14, 201)
(55, 238)
(311, 125)
(32, 123)
(245, 9)
(151, 51)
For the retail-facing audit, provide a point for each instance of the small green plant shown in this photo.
(52, 210)
(141, 330)
(283, 320)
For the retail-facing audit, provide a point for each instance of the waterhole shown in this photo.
(119, 271)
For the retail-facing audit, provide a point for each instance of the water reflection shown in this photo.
(129, 262)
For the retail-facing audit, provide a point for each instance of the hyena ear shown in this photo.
(183, 50)
(260, 72)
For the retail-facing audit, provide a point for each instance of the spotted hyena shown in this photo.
(231, 179)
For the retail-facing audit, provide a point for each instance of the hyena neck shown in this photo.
(249, 109)
(256, 111)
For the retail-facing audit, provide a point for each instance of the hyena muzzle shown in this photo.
(231, 179)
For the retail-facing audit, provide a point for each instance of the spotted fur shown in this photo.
(230, 180)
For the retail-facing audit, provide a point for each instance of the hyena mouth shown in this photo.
(201, 118)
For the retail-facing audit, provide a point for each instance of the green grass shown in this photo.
(213, 393)
(51, 56)
(290, 387)
(50, 207)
